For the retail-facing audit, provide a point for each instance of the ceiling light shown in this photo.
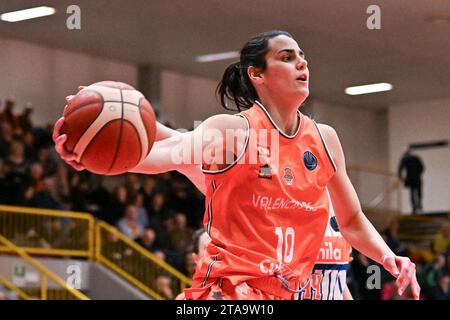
(217, 56)
(15, 16)
(369, 88)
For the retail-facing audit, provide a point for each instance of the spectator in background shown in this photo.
(8, 116)
(431, 275)
(16, 171)
(138, 201)
(147, 190)
(164, 287)
(25, 117)
(181, 234)
(133, 185)
(441, 241)
(129, 224)
(6, 138)
(37, 176)
(45, 198)
(3, 183)
(147, 240)
(30, 147)
(117, 205)
(49, 164)
(390, 235)
(442, 290)
(413, 179)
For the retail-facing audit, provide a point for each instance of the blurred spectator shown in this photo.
(44, 198)
(116, 207)
(442, 290)
(129, 224)
(30, 147)
(99, 197)
(48, 164)
(390, 235)
(147, 190)
(3, 183)
(16, 169)
(181, 234)
(431, 275)
(413, 179)
(133, 185)
(142, 215)
(441, 242)
(7, 116)
(164, 287)
(147, 240)
(6, 139)
(25, 117)
(37, 176)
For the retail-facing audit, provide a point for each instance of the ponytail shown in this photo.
(236, 86)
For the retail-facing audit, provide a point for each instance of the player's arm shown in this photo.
(185, 152)
(354, 225)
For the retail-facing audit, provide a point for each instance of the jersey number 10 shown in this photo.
(287, 241)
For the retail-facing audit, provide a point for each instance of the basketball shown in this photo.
(110, 126)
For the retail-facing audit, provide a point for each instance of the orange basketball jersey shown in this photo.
(267, 217)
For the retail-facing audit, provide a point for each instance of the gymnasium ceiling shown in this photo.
(409, 51)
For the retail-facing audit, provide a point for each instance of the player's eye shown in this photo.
(286, 58)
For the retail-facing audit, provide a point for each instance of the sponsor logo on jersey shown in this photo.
(277, 203)
(269, 267)
(265, 172)
(288, 176)
(310, 160)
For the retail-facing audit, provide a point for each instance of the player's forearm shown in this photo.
(362, 236)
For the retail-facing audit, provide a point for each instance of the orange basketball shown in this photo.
(110, 126)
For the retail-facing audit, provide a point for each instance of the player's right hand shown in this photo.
(59, 140)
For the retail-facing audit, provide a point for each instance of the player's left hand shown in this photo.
(405, 271)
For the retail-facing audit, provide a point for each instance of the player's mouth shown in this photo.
(303, 78)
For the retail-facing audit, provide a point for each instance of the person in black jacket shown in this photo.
(413, 180)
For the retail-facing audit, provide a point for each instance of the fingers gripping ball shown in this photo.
(110, 127)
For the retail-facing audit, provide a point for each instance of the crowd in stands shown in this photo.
(159, 212)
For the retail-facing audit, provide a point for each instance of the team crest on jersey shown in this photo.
(265, 172)
(288, 176)
(310, 160)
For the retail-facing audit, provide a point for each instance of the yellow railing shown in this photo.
(50, 285)
(10, 286)
(48, 232)
(137, 265)
(61, 233)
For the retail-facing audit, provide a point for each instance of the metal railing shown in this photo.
(50, 285)
(136, 264)
(48, 232)
(59, 233)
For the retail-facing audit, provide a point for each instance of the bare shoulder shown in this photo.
(225, 121)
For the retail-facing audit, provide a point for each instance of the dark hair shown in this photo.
(236, 85)
(196, 239)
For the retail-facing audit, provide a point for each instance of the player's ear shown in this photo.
(255, 74)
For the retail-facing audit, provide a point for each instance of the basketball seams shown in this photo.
(119, 137)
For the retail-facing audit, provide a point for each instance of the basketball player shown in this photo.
(329, 275)
(267, 218)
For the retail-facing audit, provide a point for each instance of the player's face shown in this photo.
(287, 69)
